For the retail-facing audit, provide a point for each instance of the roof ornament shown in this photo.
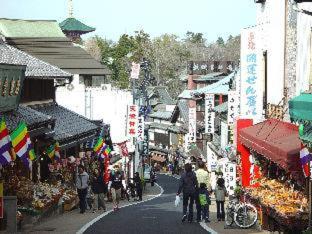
(70, 9)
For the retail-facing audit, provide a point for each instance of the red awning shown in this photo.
(276, 140)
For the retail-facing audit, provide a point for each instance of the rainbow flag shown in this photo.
(5, 144)
(51, 151)
(98, 146)
(57, 150)
(107, 151)
(21, 140)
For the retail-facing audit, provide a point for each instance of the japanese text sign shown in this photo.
(212, 159)
(233, 106)
(140, 135)
(132, 120)
(209, 114)
(251, 87)
(230, 177)
(192, 125)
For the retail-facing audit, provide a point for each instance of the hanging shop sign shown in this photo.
(140, 133)
(192, 125)
(205, 67)
(233, 106)
(123, 149)
(135, 71)
(132, 120)
(212, 159)
(224, 136)
(251, 102)
(230, 177)
(11, 82)
(209, 114)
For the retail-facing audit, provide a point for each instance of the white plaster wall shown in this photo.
(109, 105)
(304, 24)
(272, 13)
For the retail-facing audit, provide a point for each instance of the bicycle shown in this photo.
(243, 214)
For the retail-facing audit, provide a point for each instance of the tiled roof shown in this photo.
(219, 87)
(168, 127)
(161, 94)
(30, 28)
(186, 94)
(31, 117)
(62, 53)
(166, 115)
(69, 125)
(35, 68)
(184, 110)
(72, 24)
(215, 76)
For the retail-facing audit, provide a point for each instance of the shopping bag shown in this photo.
(177, 201)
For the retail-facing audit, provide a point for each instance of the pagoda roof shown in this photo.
(72, 24)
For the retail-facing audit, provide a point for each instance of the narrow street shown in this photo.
(156, 216)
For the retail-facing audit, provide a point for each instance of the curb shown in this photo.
(89, 224)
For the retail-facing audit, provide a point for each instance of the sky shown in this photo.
(112, 18)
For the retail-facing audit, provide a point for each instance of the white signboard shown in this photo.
(132, 120)
(224, 136)
(135, 71)
(212, 159)
(192, 125)
(140, 133)
(229, 175)
(209, 114)
(233, 106)
(251, 102)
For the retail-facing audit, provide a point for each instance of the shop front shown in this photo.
(272, 174)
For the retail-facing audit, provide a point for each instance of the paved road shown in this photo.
(156, 216)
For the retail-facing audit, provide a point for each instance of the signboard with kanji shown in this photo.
(251, 102)
(230, 177)
(135, 71)
(132, 120)
(209, 114)
(140, 135)
(206, 67)
(233, 106)
(192, 125)
(212, 159)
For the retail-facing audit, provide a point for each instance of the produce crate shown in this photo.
(69, 206)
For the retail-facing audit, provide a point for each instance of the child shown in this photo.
(204, 200)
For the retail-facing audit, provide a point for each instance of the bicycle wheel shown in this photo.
(229, 217)
(246, 215)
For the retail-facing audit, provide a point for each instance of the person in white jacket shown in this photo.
(82, 183)
(116, 183)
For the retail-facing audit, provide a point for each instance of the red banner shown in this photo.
(123, 149)
(250, 171)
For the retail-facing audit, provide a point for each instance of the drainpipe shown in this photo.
(285, 84)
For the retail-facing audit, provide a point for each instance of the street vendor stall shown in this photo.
(278, 189)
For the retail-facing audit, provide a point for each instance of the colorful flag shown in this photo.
(51, 151)
(107, 151)
(57, 151)
(5, 144)
(305, 159)
(98, 146)
(20, 140)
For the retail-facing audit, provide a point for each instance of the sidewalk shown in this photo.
(73, 221)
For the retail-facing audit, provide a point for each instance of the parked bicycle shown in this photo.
(243, 214)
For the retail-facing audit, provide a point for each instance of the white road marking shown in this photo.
(89, 224)
(208, 229)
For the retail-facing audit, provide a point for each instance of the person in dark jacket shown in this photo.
(99, 189)
(138, 185)
(220, 194)
(188, 184)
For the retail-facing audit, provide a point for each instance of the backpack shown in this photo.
(203, 199)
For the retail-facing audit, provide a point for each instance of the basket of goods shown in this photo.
(70, 199)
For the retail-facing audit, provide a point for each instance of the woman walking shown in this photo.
(188, 184)
(220, 194)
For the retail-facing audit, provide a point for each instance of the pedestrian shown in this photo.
(116, 183)
(204, 199)
(220, 194)
(99, 189)
(188, 184)
(82, 180)
(203, 178)
(138, 185)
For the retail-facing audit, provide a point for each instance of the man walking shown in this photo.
(82, 180)
(116, 183)
(202, 178)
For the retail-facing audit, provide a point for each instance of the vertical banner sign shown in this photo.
(1, 200)
(132, 120)
(251, 85)
(212, 160)
(135, 71)
(140, 135)
(192, 125)
(230, 177)
(209, 114)
(233, 106)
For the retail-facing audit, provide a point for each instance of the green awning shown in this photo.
(300, 108)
